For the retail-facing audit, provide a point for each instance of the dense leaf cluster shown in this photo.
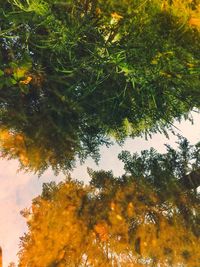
(124, 221)
(160, 169)
(75, 73)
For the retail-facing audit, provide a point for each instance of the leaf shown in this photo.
(116, 16)
(23, 88)
(194, 22)
(10, 81)
(27, 80)
(19, 73)
(102, 230)
(1, 73)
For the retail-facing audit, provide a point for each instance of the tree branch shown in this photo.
(191, 180)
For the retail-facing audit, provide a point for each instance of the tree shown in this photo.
(182, 164)
(126, 221)
(75, 73)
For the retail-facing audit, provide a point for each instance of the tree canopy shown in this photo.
(182, 163)
(118, 221)
(75, 73)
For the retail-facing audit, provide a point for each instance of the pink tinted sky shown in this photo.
(18, 189)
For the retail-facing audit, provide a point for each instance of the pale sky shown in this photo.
(18, 189)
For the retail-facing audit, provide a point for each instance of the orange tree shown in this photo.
(123, 223)
(75, 73)
(129, 220)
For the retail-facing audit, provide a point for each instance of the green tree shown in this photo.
(182, 164)
(75, 73)
(126, 221)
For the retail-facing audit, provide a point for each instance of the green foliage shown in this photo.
(74, 73)
(161, 169)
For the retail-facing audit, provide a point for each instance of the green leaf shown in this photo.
(10, 81)
(1, 73)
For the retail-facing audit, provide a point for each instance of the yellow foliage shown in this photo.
(27, 80)
(116, 16)
(134, 227)
(13, 142)
(16, 145)
(194, 22)
(98, 11)
(130, 209)
(102, 230)
(20, 72)
(165, 74)
(112, 205)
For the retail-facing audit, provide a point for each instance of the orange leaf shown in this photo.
(102, 230)
(27, 81)
(194, 22)
(116, 16)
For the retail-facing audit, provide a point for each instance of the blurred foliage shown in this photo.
(124, 221)
(75, 73)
